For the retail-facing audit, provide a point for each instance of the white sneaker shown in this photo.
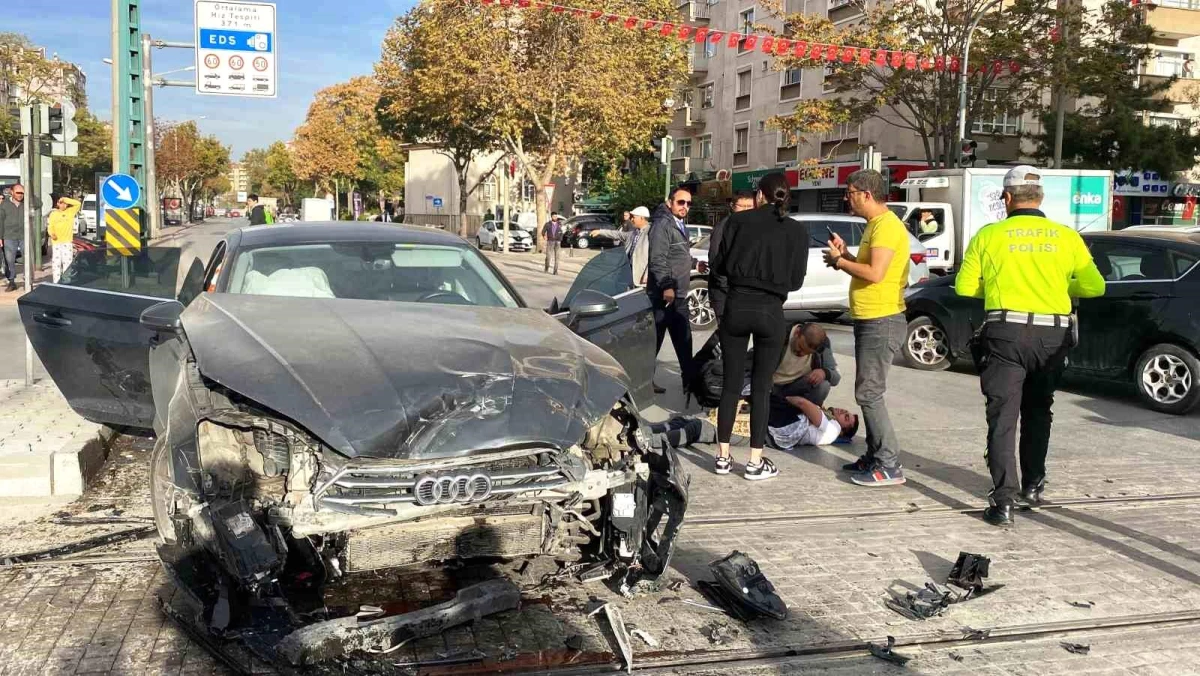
(723, 465)
(762, 471)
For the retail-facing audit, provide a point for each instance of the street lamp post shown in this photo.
(962, 87)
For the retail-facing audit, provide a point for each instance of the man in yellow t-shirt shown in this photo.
(1026, 269)
(879, 274)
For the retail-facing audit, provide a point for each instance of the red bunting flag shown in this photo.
(596, 14)
(1014, 67)
(506, 3)
(684, 33)
(881, 58)
(667, 29)
(955, 65)
(716, 37)
(897, 59)
(864, 57)
(910, 61)
(997, 68)
(650, 25)
(939, 63)
(749, 42)
(613, 18)
(577, 13)
(926, 63)
(782, 46)
(816, 51)
(734, 40)
(800, 51)
(701, 34)
(523, 4)
(557, 9)
(849, 54)
(488, 2)
(831, 53)
(631, 23)
(768, 44)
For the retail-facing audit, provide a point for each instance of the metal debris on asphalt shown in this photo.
(1076, 648)
(930, 601)
(697, 604)
(976, 634)
(1083, 604)
(646, 638)
(886, 652)
(618, 628)
(956, 657)
(743, 586)
(719, 633)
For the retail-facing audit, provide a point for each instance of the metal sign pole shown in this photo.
(27, 145)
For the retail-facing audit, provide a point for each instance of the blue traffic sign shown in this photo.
(241, 41)
(437, 202)
(121, 191)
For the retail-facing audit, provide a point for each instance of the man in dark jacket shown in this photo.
(12, 229)
(255, 211)
(669, 278)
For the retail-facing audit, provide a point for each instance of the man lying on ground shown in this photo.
(802, 423)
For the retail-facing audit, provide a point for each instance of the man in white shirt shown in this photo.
(807, 425)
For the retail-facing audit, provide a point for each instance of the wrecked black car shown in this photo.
(337, 398)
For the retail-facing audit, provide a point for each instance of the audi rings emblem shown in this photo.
(448, 489)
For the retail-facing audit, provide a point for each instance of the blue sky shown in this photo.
(319, 44)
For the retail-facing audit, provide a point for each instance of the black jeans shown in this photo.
(1021, 369)
(749, 313)
(672, 318)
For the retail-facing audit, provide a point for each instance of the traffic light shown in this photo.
(62, 129)
(664, 147)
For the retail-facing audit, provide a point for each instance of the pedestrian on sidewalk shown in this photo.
(669, 279)
(552, 236)
(764, 255)
(718, 286)
(1026, 269)
(12, 230)
(637, 244)
(62, 235)
(255, 212)
(879, 274)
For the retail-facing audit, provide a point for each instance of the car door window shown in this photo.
(609, 273)
(1121, 262)
(849, 231)
(152, 272)
(1182, 263)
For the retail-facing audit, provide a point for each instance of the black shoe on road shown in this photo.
(12, 286)
(858, 466)
(659, 390)
(999, 515)
(1033, 494)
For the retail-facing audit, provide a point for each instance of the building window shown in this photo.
(744, 85)
(1173, 122)
(710, 49)
(741, 146)
(1171, 64)
(845, 130)
(999, 121)
(838, 4)
(746, 24)
(784, 153)
(827, 83)
(706, 95)
(683, 148)
(489, 188)
(789, 87)
(705, 147)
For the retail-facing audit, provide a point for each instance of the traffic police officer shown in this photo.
(1027, 269)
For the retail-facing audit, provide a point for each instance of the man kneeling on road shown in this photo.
(806, 366)
(799, 422)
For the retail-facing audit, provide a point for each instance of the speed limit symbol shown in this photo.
(212, 60)
(236, 62)
(260, 64)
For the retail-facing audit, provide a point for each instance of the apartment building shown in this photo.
(67, 82)
(239, 178)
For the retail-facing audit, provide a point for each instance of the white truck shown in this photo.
(961, 202)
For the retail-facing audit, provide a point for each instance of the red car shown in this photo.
(234, 213)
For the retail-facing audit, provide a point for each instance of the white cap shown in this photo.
(1017, 176)
(640, 211)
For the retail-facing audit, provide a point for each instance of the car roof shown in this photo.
(346, 231)
(1189, 240)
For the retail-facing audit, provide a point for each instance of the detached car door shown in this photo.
(627, 334)
(87, 333)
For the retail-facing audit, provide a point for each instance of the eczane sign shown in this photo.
(236, 52)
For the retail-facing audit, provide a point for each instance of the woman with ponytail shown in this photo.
(763, 255)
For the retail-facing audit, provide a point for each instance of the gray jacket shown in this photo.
(670, 256)
(12, 217)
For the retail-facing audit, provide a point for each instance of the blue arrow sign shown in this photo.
(437, 202)
(241, 41)
(121, 191)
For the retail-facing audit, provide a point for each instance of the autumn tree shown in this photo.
(339, 146)
(184, 161)
(28, 77)
(77, 175)
(428, 92)
(254, 163)
(553, 86)
(280, 173)
(924, 99)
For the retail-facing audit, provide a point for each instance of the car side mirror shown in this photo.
(554, 308)
(163, 318)
(590, 303)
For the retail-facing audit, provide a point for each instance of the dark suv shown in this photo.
(580, 231)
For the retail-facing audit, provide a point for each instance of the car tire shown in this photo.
(926, 347)
(582, 243)
(1167, 378)
(495, 245)
(828, 316)
(701, 314)
(479, 244)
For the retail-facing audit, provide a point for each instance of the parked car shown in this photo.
(580, 232)
(234, 213)
(85, 222)
(490, 236)
(1145, 330)
(826, 292)
(348, 397)
(695, 232)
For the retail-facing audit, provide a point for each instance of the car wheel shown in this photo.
(582, 243)
(479, 244)
(701, 314)
(926, 347)
(1166, 379)
(827, 316)
(495, 245)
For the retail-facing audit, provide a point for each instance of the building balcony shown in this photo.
(698, 64)
(696, 11)
(688, 117)
(1174, 19)
(1182, 90)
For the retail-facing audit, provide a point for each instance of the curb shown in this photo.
(77, 463)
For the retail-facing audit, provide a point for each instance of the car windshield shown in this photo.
(382, 271)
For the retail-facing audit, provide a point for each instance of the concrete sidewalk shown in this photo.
(46, 449)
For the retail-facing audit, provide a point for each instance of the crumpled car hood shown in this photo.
(405, 380)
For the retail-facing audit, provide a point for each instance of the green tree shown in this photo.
(642, 187)
(77, 175)
(280, 173)
(254, 163)
(27, 76)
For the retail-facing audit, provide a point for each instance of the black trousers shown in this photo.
(672, 318)
(1022, 366)
(749, 313)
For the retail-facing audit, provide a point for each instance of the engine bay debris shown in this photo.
(742, 589)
